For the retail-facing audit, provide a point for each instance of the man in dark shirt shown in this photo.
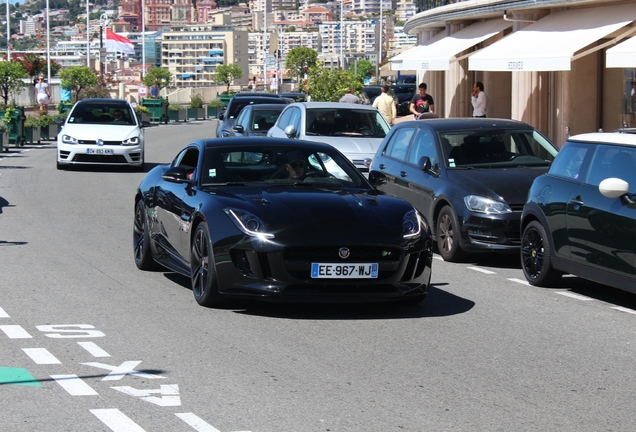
(422, 102)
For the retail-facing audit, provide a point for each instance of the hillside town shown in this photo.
(191, 38)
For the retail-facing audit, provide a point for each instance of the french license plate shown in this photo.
(103, 151)
(344, 271)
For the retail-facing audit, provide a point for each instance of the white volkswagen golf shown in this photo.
(101, 132)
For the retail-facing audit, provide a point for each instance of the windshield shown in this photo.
(346, 122)
(286, 165)
(496, 148)
(112, 114)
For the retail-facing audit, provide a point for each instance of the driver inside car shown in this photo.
(296, 164)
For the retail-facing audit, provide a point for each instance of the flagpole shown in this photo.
(143, 39)
(8, 34)
(88, 39)
(48, 45)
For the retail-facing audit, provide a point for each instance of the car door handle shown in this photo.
(382, 166)
(403, 173)
(577, 201)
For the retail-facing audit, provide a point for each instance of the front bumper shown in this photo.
(482, 232)
(82, 154)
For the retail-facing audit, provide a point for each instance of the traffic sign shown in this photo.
(142, 90)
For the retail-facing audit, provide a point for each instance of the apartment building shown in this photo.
(405, 10)
(192, 53)
(371, 7)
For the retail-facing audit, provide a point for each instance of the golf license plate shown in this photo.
(344, 271)
(103, 151)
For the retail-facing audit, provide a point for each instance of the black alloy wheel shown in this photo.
(447, 234)
(141, 239)
(536, 261)
(204, 282)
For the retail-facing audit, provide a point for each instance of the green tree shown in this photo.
(330, 85)
(227, 73)
(157, 77)
(300, 60)
(12, 74)
(78, 78)
(364, 68)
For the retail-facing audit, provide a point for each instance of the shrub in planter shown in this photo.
(196, 110)
(143, 113)
(32, 129)
(48, 127)
(213, 107)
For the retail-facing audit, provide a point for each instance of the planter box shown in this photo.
(158, 109)
(177, 115)
(4, 142)
(49, 133)
(196, 113)
(213, 111)
(32, 135)
(16, 126)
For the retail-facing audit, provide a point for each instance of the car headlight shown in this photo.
(248, 223)
(486, 205)
(411, 224)
(131, 141)
(67, 139)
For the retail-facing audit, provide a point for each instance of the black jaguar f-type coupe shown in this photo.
(279, 219)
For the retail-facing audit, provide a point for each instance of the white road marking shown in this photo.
(116, 420)
(41, 356)
(126, 368)
(169, 394)
(93, 349)
(437, 257)
(481, 270)
(574, 296)
(74, 385)
(197, 423)
(624, 309)
(521, 281)
(70, 331)
(3, 314)
(15, 332)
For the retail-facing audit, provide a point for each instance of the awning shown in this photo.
(550, 43)
(622, 55)
(397, 61)
(439, 55)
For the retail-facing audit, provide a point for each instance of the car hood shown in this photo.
(508, 184)
(300, 211)
(107, 132)
(350, 146)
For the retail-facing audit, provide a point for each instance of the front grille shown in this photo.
(330, 254)
(110, 159)
(94, 142)
(240, 261)
(64, 154)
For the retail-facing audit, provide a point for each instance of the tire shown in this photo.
(536, 259)
(141, 239)
(447, 234)
(205, 286)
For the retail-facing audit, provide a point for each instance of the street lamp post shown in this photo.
(103, 22)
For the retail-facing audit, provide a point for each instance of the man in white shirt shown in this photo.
(479, 100)
(386, 105)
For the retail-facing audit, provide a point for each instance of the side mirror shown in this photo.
(176, 175)
(221, 115)
(238, 129)
(377, 178)
(425, 163)
(290, 131)
(616, 188)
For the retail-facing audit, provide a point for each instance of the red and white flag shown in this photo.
(117, 43)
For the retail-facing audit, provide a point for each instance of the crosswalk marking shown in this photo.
(93, 349)
(41, 356)
(116, 420)
(15, 332)
(74, 385)
(196, 423)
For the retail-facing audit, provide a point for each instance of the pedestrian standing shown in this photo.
(350, 97)
(386, 105)
(479, 100)
(422, 102)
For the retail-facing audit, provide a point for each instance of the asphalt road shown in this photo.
(90, 343)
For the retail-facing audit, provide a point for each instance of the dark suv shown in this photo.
(404, 93)
(227, 117)
(580, 217)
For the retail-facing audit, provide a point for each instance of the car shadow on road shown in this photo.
(438, 303)
(596, 291)
(494, 260)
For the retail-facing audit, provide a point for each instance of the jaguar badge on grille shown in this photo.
(344, 253)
